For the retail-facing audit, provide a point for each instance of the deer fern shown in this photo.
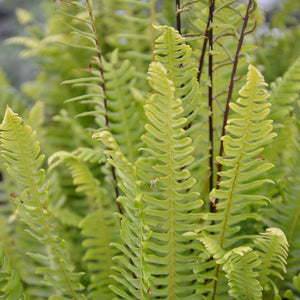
(121, 198)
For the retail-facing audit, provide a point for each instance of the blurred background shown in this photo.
(17, 69)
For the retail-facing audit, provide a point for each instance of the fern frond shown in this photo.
(124, 113)
(243, 280)
(175, 56)
(100, 228)
(273, 253)
(284, 211)
(132, 273)
(243, 167)
(285, 92)
(174, 208)
(10, 286)
(23, 160)
(243, 144)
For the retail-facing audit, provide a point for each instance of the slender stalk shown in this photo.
(204, 46)
(231, 85)
(178, 17)
(99, 55)
(210, 100)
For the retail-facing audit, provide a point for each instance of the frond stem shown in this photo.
(178, 16)
(210, 100)
(99, 55)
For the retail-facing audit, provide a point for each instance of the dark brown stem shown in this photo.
(231, 85)
(201, 60)
(178, 17)
(99, 55)
(210, 100)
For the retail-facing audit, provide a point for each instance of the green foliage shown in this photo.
(164, 184)
(11, 287)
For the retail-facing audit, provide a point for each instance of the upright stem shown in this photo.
(231, 85)
(210, 101)
(99, 55)
(178, 17)
(201, 60)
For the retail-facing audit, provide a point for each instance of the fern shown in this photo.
(247, 133)
(285, 209)
(285, 92)
(99, 227)
(132, 272)
(243, 280)
(21, 152)
(273, 253)
(10, 286)
(173, 210)
(130, 205)
(243, 145)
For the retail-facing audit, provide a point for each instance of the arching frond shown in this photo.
(23, 160)
(273, 252)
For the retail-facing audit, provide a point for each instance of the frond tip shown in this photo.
(273, 253)
(239, 268)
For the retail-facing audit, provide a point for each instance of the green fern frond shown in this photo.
(10, 286)
(247, 133)
(243, 280)
(285, 92)
(284, 211)
(273, 253)
(212, 247)
(100, 228)
(131, 271)
(243, 166)
(175, 56)
(124, 113)
(23, 161)
(174, 208)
